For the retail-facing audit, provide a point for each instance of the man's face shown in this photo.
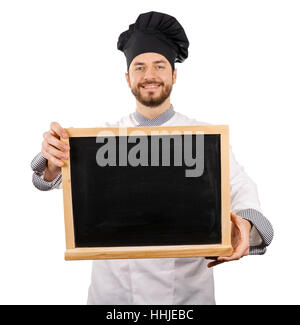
(150, 78)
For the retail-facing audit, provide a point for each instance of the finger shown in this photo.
(214, 263)
(50, 139)
(211, 257)
(235, 218)
(55, 152)
(54, 134)
(57, 128)
(54, 160)
(237, 254)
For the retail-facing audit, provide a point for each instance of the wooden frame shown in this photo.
(223, 249)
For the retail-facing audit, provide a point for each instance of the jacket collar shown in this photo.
(156, 121)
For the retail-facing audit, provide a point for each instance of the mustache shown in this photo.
(150, 83)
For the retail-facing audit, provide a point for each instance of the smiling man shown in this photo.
(152, 46)
(151, 79)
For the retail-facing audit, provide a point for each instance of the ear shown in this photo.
(127, 79)
(174, 76)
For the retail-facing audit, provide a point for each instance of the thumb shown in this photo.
(235, 218)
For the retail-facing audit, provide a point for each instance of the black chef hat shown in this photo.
(155, 32)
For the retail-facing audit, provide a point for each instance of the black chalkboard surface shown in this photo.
(125, 207)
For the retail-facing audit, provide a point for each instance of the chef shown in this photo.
(152, 46)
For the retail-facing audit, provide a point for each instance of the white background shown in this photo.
(59, 62)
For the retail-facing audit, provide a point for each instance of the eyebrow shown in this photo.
(155, 62)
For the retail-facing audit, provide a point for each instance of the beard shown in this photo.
(150, 98)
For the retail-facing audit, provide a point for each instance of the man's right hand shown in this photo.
(54, 150)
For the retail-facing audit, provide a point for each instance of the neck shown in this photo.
(152, 112)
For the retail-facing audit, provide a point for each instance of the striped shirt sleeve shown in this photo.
(38, 165)
(261, 234)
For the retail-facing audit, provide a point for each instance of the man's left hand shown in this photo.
(240, 240)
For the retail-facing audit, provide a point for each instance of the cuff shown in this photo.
(42, 185)
(261, 234)
(39, 163)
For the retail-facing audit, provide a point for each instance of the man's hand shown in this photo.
(54, 150)
(240, 240)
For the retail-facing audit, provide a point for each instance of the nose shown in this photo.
(150, 73)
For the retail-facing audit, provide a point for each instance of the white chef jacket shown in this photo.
(176, 281)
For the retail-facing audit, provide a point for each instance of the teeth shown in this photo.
(153, 86)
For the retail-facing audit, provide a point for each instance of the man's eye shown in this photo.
(160, 66)
(139, 68)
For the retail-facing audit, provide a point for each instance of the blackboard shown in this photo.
(144, 207)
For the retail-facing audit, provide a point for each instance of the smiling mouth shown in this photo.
(151, 87)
